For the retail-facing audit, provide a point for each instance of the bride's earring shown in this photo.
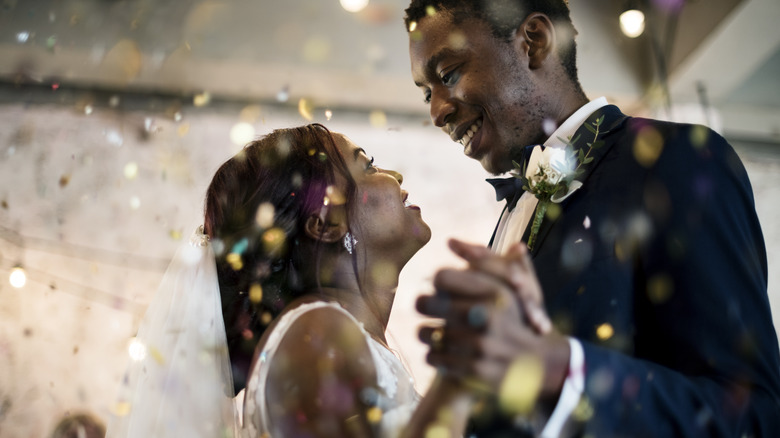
(349, 242)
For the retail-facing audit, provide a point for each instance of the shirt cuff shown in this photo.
(573, 387)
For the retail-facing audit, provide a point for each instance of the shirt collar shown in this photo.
(570, 125)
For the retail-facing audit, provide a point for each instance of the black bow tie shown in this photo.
(510, 189)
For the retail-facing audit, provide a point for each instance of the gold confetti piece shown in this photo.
(255, 293)
(457, 40)
(124, 60)
(521, 385)
(378, 119)
(235, 261)
(250, 113)
(184, 129)
(374, 415)
(412, 26)
(328, 114)
(274, 240)
(648, 146)
(660, 288)
(335, 195)
(156, 355)
(135, 203)
(430, 10)
(64, 180)
(437, 431)
(266, 318)
(699, 136)
(605, 331)
(175, 234)
(383, 273)
(121, 409)
(201, 99)
(584, 410)
(305, 109)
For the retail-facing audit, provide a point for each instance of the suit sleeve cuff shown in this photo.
(573, 387)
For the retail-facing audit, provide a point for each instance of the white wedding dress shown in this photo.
(397, 401)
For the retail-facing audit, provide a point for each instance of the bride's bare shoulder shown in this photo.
(320, 370)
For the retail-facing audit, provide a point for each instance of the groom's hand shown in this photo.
(516, 270)
(484, 333)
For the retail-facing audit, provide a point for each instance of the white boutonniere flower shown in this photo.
(550, 174)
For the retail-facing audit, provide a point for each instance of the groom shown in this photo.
(653, 272)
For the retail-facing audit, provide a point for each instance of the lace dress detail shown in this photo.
(397, 402)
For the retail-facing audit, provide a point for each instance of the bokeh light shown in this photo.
(18, 277)
(605, 331)
(632, 23)
(354, 5)
(242, 133)
(131, 170)
(136, 350)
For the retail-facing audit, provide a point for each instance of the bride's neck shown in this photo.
(371, 306)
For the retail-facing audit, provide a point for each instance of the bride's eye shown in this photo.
(370, 166)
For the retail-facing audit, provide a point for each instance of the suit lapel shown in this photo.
(613, 118)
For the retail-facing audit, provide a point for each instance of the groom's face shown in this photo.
(480, 89)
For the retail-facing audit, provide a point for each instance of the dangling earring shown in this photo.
(349, 242)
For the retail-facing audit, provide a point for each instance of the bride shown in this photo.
(304, 241)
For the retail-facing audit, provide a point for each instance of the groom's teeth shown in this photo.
(466, 139)
(407, 203)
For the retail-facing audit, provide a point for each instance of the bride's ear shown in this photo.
(328, 226)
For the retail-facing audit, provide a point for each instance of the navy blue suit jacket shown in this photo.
(658, 266)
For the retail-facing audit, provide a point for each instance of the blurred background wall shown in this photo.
(114, 115)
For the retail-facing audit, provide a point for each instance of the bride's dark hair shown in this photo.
(256, 206)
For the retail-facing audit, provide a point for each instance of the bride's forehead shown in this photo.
(345, 145)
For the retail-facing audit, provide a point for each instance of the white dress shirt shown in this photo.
(510, 230)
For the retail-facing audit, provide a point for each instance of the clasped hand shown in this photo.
(493, 316)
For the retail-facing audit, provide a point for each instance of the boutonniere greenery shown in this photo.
(551, 174)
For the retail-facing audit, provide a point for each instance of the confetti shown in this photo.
(201, 99)
(255, 293)
(648, 146)
(305, 108)
(521, 385)
(605, 331)
(378, 119)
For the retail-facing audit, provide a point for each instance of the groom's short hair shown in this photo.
(504, 17)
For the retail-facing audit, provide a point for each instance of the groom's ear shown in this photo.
(329, 225)
(536, 38)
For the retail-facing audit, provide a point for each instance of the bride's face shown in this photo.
(383, 220)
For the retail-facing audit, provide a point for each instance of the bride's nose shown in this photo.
(394, 174)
